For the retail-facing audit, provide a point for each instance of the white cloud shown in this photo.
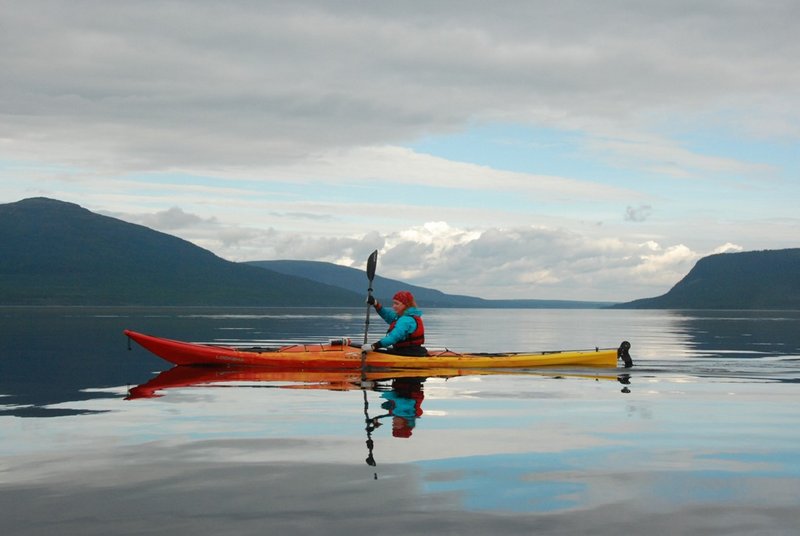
(118, 86)
(174, 218)
(518, 262)
(664, 266)
(638, 214)
(402, 166)
(229, 123)
(521, 261)
(727, 248)
(662, 156)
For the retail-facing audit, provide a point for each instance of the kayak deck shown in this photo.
(341, 356)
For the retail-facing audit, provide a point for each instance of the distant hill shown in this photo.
(57, 253)
(356, 280)
(749, 280)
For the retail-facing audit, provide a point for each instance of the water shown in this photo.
(700, 437)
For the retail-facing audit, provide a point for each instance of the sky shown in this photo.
(521, 149)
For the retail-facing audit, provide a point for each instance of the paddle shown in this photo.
(372, 263)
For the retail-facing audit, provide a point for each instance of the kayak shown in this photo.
(339, 354)
(333, 380)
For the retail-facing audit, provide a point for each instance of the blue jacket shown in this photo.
(406, 325)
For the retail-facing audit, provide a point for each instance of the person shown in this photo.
(406, 334)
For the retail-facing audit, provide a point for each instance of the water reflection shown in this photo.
(390, 397)
(55, 356)
(402, 395)
(625, 380)
(331, 380)
(737, 334)
(403, 403)
(666, 445)
(401, 391)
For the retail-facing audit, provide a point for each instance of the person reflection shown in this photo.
(403, 404)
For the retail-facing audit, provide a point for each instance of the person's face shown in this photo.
(398, 306)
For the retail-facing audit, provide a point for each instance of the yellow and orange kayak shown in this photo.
(339, 355)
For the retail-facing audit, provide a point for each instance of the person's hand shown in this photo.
(371, 300)
(367, 348)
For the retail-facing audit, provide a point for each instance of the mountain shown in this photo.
(57, 253)
(767, 279)
(356, 280)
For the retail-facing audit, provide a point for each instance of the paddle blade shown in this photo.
(372, 263)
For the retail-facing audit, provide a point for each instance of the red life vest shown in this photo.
(417, 337)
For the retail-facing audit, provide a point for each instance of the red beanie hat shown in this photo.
(404, 297)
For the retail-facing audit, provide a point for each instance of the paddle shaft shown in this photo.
(372, 263)
(366, 322)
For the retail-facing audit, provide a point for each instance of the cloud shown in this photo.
(528, 261)
(664, 265)
(522, 262)
(638, 214)
(208, 233)
(291, 124)
(727, 248)
(302, 216)
(116, 86)
(539, 262)
(659, 155)
(174, 218)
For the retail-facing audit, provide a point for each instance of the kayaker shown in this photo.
(406, 334)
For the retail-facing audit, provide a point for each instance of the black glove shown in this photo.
(371, 300)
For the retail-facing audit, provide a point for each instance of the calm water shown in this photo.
(700, 437)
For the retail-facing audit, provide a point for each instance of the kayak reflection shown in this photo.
(406, 383)
(338, 380)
